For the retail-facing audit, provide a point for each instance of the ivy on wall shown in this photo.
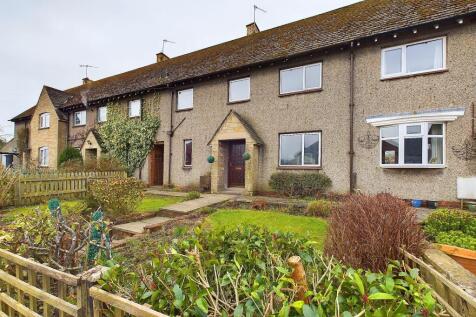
(128, 139)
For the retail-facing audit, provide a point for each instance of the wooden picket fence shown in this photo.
(37, 187)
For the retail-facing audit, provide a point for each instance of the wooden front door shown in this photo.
(236, 164)
(156, 165)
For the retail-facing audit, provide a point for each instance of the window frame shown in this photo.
(304, 90)
(403, 59)
(402, 135)
(41, 117)
(302, 166)
(230, 81)
(98, 118)
(41, 163)
(185, 141)
(177, 101)
(85, 118)
(129, 108)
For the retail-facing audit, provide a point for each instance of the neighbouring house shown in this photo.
(8, 154)
(379, 95)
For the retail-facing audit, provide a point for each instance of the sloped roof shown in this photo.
(24, 115)
(245, 124)
(333, 28)
(59, 99)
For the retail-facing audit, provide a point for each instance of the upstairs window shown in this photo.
(300, 149)
(187, 153)
(239, 90)
(135, 108)
(44, 120)
(414, 58)
(102, 114)
(185, 99)
(79, 118)
(302, 78)
(43, 156)
(413, 145)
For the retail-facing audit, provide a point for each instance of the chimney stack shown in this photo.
(86, 80)
(161, 57)
(252, 28)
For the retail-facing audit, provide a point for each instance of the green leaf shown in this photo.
(381, 296)
(414, 273)
(308, 311)
(179, 297)
(359, 283)
(346, 314)
(284, 312)
(238, 311)
(389, 284)
(202, 305)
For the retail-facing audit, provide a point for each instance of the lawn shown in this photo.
(150, 203)
(306, 227)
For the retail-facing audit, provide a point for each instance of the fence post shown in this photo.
(17, 192)
(86, 281)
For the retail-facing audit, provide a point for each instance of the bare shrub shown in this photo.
(259, 204)
(367, 231)
(8, 179)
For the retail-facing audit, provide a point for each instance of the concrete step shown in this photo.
(205, 200)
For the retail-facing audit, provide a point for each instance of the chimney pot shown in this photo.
(252, 28)
(86, 80)
(161, 57)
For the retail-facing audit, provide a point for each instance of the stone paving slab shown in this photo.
(205, 200)
(153, 191)
(137, 227)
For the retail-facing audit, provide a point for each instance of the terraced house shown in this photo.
(379, 95)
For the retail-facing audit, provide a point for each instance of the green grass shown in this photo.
(305, 227)
(154, 203)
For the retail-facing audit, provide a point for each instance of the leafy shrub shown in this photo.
(243, 272)
(73, 165)
(299, 184)
(117, 196)
(319, 208)
(109, 163)
(443, 220)
(68, 154)
(457, 238)
(294, 209)
(207, 210)
(259, 204)
(367, 231)
(192, 195)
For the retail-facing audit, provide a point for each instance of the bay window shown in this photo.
(302, 78)
(300, 149)
(414, 58)
(413, 145)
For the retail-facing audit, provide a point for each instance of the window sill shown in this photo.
(44, 128)
(183, 110)
(299, 167)
(238, 101)
(413, 166)
(310, 91)
(429, 72)
(187, 167)
(78, 125)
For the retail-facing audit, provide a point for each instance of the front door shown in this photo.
(156, 165)
(236, 164)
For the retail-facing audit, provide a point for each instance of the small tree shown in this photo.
(70, 154)
(128, 140)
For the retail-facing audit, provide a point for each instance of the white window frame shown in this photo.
(404, 59)
(184, 107)
(402, 135)
(134, 102)
(185, 153)
(99, 114)
(281, 92)
(248, 79)
(81, 123)
(45, 120)
(43, 160)
(319, 133)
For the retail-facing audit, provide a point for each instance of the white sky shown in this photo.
(44, 42)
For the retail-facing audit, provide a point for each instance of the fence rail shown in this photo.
(31, 188)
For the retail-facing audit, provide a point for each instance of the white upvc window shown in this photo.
(185, 99)
(79, 118)
(302, 78)
(43, 156)
(414, 58)
(413, 145)
(102, 114)
(44, 120)
(239, 89)
(135, 108)
(187, 153)
(300, 149)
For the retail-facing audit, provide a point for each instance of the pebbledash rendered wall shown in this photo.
(328, 111)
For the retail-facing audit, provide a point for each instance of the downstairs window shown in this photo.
(413, 145)
(300, 149)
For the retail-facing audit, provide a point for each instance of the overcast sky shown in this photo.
(44, 42)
